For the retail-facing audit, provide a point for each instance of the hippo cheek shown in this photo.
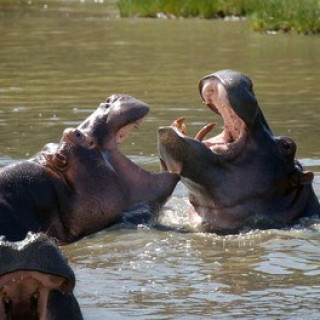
(25, 294)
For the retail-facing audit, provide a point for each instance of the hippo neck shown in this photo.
(142, 186)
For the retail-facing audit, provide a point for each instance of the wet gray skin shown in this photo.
(244, 176)
(36, 281)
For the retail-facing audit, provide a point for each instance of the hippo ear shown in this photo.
(306, 177)
(60, 161)
(48, 157)
(57, 160)
(302, 178)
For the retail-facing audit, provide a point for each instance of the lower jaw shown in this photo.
(228, 150)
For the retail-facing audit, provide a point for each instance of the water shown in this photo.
(58, 63)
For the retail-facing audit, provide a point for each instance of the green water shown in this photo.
(57, 65)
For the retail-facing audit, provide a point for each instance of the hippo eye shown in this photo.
(78, 134)
(287, 146)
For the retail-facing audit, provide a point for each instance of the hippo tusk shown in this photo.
(179, 124)
(204, 131)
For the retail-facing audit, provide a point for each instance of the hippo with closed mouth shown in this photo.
(36, 281)
(84, 184)
(245, 176)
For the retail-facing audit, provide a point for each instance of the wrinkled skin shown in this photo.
(244, 176)
(84, 184)
(57, 195)
(36, 281)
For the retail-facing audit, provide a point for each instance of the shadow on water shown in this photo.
(56, 67)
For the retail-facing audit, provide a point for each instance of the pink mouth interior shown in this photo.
(233, 135)
(24, 289)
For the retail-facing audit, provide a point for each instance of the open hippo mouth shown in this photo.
(29, 271)
(231, 140)
(25, 292)
(227, 144)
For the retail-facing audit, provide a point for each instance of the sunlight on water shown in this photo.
(58, 65)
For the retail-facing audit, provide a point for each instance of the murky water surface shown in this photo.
(55, 68)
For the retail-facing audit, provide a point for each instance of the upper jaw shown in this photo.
(125, 131)
(114, 120)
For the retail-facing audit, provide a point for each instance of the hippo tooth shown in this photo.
(179, 124)
(204, 131)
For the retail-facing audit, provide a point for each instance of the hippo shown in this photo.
(244, 177)
(36, 281)
(83, 184)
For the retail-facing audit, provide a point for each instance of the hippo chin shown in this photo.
(36, 281)
(244, 176)
(84, 184)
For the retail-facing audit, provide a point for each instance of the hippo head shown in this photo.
(242, 174)
(73, 148)
(34, 273)
(79, 160)
(113, 120)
